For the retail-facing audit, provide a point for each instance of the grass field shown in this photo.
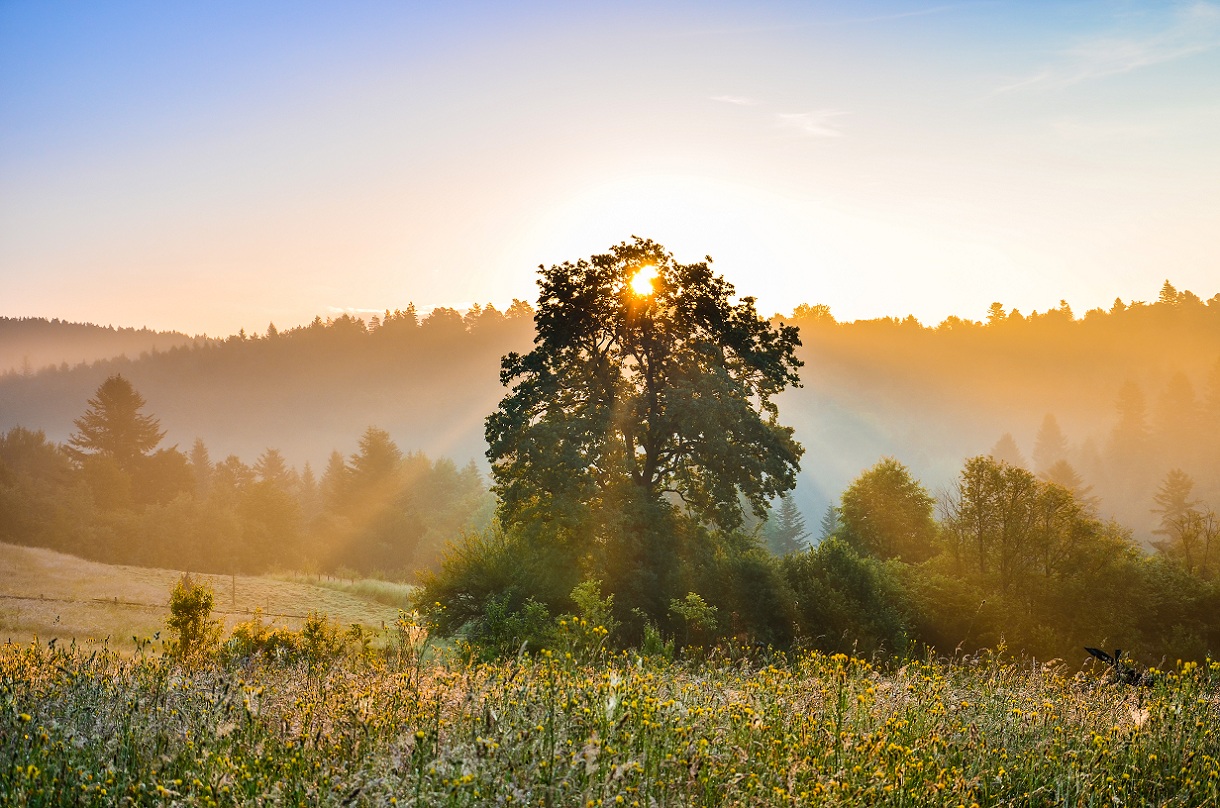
(52, 595)
(410, 724)
(88, 727)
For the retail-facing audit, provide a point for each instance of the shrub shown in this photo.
(254, 637)
(845, 602)
(195, 633)
(585, 634)
(697, 615)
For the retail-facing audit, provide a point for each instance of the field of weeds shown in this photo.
(87, 726)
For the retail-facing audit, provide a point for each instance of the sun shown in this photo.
(641, 282)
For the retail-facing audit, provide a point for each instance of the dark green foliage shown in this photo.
(487, 581)
(388, 514)
(1050, 446)
(640, 419)
(626, 397)
(784, 531)
(754, 599)
(33, 475)
(845, 602)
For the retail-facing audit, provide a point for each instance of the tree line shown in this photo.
(113, 493)
(1135, 390)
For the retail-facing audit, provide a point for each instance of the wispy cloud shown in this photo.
(740, 101)
(1184, 31)
(817, 23)
(921, 12)
(811, 124)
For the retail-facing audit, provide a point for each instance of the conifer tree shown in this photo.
(1130, 437)
(113, 427)
(830, 523)
(1050, 446)
(1007, 451)
(201, 467)
(785, 530)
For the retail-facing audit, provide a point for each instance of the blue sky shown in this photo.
(214, 166)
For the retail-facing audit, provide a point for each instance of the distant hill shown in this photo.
(305, 391)
(29, 344)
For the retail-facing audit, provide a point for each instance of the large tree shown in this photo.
(887, 513)
(114, 428)
(646, 382)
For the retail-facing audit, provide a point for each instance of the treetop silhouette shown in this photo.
(113, 426)
(644, 386)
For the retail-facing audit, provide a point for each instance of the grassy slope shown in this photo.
(45, 579)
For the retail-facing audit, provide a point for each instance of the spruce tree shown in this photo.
(113, 427)
(785, 532)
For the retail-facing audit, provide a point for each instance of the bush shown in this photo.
(585, 634)
(195, 633)
(319, 640)
(844, 602)
(487, 579)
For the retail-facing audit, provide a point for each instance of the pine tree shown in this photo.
(113, 427)
(201, 467)
(1178, 422)
(1130, 437)
(830, 523)
(272, 468)
(1061, 473)
(1007, 451)
(1173, 498)
(1190, 533)
(1050, 446)
(785, 532)
(377, 461)
(334, 485)
(1169, 295)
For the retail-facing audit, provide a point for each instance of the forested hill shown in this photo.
(1131, 393)
(305, 391)
(28, 344)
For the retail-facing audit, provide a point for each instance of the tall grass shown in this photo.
(389, 593)
(83, 725)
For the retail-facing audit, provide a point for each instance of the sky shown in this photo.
(212, 166)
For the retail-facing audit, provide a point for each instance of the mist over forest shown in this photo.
(1132, 392)
(31, 343)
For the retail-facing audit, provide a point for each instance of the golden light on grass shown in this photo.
(641, 282)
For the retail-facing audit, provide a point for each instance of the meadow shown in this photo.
(83, 725)
(49, 595)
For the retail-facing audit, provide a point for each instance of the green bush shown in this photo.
(194, 634)
(844, 602)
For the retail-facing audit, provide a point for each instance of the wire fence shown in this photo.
(136, 605)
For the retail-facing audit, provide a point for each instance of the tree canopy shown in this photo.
(646, 381)
(887, 513)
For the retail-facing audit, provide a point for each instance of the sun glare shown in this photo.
(641, 282)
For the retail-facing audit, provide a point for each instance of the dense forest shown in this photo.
(1131, 393)
(1124, 396)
